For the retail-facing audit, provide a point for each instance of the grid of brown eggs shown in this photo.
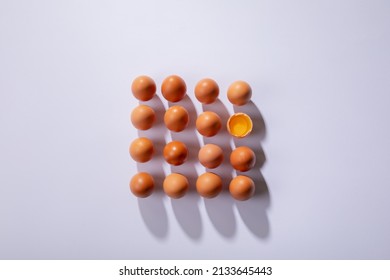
(208, 124)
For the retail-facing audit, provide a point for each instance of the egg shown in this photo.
(175, 153)
(142, 184)
(176, 118)
(143, 88)
(239, 93)
(210, 156)
(206, 91)
(239, 125)
(175, 185)
(208, 124)
(242, 158)
(242, 187)
(173, 88)
(141, 149)
(143, 117)
(209, 185)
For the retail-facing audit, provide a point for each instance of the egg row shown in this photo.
(210, 155)
(173, 88)
(176, 119)
(208, 185)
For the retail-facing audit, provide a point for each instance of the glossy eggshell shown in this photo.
(209, 185)
(239, 93)
(175, 153)
(143, 117)
(242, 158)
(175, 185)
(208, 124)
(242, 188)
(206, 91)
(143, 88)
(141, 149)
(176, 118)
(173, 88)
(142, 184)
(210, 156)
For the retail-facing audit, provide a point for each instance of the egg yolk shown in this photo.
(240, 125)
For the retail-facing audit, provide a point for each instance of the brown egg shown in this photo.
(176, 118)
(143, 88)
(206, 91)
(239, 93)
(208, 124)
(143, 117)
(175, 153)
(242, 158)
(142, 184)
(173, 88)
(175, 185)
(210, 156)
(209, 185)
(242, 187)
(141, 149)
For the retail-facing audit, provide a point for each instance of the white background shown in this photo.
(110, 269)
(320, 76)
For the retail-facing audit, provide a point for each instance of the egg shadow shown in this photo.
(220, 209)
(152, 208)
(254, 211)
(154, 214)
(186, 209)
